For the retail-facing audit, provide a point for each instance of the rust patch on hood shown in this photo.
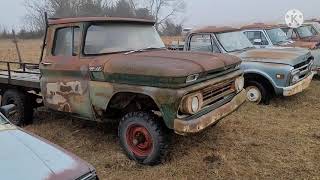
(165, 63)
(311, 39)
(269, 54)
(259, 26)
(302, 44)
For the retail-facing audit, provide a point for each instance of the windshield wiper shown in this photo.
(143, 50)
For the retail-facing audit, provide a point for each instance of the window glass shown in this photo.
(76, 44)
(313, 30)
(202, 43)
(316, 27)
(277, 36)
(304, 31)
(121, 37)
(256, 35)
(63, 45)
(234, 41)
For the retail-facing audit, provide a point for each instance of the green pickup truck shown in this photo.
(116, 69)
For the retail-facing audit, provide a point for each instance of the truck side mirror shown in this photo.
(257, 41)
(8, 110)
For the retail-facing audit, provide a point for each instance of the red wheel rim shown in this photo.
(139, 140)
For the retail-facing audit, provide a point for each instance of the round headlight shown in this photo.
(239, 84)
(195, 104)
(295, 78)
(192, 104)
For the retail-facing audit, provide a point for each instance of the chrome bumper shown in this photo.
(199, 124)
(299, 87)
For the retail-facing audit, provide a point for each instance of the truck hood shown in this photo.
(288, 56)
(301, 44)
(25, 156)
(164, 63)
(311, 39)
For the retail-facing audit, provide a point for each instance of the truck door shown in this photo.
(65, 79)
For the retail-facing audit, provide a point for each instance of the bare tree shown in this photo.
(162, 10)
(35, 11)
(159, 10)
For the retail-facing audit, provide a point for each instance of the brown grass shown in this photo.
(278, 141)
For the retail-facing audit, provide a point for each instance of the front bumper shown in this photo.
(317, 71)
(199, 124)
(299, 87)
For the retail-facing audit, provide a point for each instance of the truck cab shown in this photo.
(117, 69)
(268, 72)
(272, 36)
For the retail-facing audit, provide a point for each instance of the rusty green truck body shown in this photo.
(104, 68)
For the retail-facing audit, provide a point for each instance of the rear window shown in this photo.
(202, 43)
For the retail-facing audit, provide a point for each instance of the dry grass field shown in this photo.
(278, 141)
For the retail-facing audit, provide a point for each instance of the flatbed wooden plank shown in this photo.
(20, 79)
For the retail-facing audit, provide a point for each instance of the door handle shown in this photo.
(46, 63)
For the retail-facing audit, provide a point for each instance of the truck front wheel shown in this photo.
(24, 111)
(257, 93)
(143, 138)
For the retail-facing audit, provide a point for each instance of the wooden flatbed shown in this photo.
(20, 74)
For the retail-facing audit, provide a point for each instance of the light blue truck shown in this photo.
(272, 36)
(268, 72)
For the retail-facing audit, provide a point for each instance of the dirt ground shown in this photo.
(278, 141)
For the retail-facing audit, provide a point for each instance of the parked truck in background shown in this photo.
(105, 69)
(267, 72)
(272, 36)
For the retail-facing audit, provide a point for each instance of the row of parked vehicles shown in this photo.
(118, 70)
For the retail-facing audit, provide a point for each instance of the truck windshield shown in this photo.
(317, 26)
(304, 31)
(120, 37)
(277, 36)
(234, 41)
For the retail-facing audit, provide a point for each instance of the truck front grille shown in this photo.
(304, 68)
(215, 93)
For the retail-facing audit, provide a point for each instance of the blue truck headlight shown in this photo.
(295, 76)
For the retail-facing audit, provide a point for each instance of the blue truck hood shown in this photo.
(288, 56)
(25, 156)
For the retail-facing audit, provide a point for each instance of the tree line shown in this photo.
(163, 12)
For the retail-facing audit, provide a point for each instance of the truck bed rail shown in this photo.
(20, 74)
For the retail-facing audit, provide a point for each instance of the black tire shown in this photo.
(24, 111)
(157, 132)
(265, 94)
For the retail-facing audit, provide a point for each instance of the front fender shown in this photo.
(167, 100)
(270, 71)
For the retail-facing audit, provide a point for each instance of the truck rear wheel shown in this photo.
(24, 112)
(143, 138)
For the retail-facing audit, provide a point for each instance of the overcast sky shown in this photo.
(202, 12)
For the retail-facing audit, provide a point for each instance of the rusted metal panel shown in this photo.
(215, 29)
(275, 54)
(299, 87)
(98, 19)
(260, 26)
(176, 64)
(199, 124)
